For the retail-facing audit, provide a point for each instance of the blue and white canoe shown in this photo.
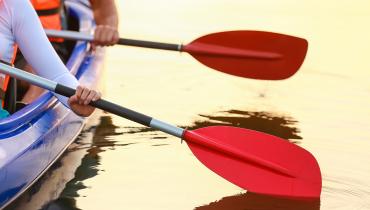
(33, 138)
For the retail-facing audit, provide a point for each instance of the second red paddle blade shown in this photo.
(250, 54)
(256, 161)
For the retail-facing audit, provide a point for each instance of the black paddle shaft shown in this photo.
(108, 106)
(149, 44)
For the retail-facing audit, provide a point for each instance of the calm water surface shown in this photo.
(325, 108)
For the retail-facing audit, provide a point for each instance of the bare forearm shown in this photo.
(105, 12)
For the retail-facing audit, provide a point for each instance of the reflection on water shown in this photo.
(105, 137)
(274, 124)
(252, 201)
(281, 126)
(101, 141)
(52, 188)
(62, 203)
(104, 133)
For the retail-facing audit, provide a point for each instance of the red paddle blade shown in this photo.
(256, 161)
(250, 54)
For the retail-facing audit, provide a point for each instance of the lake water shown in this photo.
(324, 108)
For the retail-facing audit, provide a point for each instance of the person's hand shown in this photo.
(80, 100)
(105, 35)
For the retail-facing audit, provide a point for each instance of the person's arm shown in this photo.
(36, 48)
(106, 18)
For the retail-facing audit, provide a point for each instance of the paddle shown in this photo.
(249, 54)
(255, 161)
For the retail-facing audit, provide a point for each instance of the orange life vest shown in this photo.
(4, 86)
(49, 14)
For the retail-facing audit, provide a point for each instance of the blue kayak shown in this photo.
(33, 138)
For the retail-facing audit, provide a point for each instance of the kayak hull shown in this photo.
(32, 139)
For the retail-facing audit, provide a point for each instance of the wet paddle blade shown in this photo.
(250, 54)
(256, 161)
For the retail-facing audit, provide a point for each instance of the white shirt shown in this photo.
(19, 24)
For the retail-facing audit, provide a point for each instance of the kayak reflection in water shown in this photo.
(20, 26)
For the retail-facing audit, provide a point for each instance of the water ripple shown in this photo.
(347, 192)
